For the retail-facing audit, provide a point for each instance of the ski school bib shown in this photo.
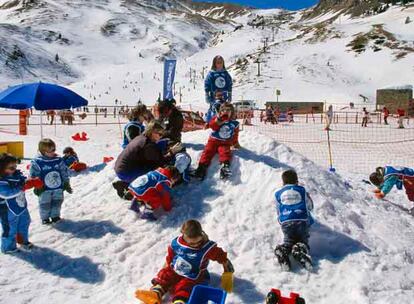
(70, 160)
(50, 172)
(400, 171)
(147, 181)
(291, 204)
(188, 261)
(14, 197)
(226, 130)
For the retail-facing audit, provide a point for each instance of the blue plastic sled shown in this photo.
(207, 295)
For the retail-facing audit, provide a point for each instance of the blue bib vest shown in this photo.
(137, 124)
(291, 204)
(14, 197)
(188, 261)
(150, 180)
(70, 160)
(226, 130)
(50, 172)
(400, 171)
(219, 81)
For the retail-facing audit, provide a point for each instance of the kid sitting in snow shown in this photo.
(14, 215)
(293, 206)
(224, 134)
(153, 191)
(385, 178)
(71, 160)
(186, 265)
(51, 169)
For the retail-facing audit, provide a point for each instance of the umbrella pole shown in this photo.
(41, 124)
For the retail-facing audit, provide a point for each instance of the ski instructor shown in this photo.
(218, 80)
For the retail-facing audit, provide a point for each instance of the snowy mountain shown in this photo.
(113, 49)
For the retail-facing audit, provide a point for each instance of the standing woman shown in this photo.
(217, 80)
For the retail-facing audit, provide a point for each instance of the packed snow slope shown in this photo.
(113, 49)
(362, 248)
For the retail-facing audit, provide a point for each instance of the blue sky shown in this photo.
(288, 4)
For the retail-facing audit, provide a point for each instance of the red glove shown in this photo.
(379, 195)
(33, 183)
(376, 190)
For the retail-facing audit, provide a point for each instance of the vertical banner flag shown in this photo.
(169, 74)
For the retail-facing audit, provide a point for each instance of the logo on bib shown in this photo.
(53, 180)
(21, 200)
(220, 82)
(225, 132)
(182, 266)
(140, 181)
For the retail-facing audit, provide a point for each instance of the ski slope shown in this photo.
(100, 253)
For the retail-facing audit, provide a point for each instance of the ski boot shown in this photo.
(148, 214)
(200, 173)
(282, 255)
(300, 253)
(225, 171)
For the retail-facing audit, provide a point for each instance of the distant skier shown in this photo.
(218, 79)
(14, 214)
(293, 206)
(328, 118)
(386, 113)
(152, 191)
(224, 134)
(385, 178)
(186, 265)
(401, 115)
(365, 116)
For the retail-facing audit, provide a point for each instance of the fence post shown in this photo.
(331, 168)
(346, 117)
(306, 117)
(96, 116)
(321, 118)
(356, 118)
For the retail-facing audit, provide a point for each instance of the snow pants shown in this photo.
(50, 204)
(295, 232)
(409, 187)
(180, 287)
(214, 146)
(13, 226)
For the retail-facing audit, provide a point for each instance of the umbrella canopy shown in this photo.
(41, 96)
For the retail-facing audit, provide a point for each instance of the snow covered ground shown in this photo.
(101, 253)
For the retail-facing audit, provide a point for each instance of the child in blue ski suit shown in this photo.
(293, 205)
(14, 215)
(218, 79)
(135, 126)
(51, 169)
(71, 159)
(385, 178)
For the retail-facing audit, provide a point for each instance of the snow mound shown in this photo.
(101, 253)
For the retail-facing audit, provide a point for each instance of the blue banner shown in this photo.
(169, 74)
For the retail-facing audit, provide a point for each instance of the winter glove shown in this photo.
(178, 147)
(379, 195)
(376, 190)
(227, 281)
(39, 191)
(67, 188)
(33, 183)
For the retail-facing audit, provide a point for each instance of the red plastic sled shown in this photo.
(275, 297)
(80, 137)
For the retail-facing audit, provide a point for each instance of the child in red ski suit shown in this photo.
(225, 133)
(153, 191)
(186, 265)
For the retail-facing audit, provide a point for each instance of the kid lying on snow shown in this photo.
(14, 215)
(186, 265)
(152, 191)
(385, 178)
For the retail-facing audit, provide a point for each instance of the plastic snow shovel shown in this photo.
(147, 296)
(227, 281)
